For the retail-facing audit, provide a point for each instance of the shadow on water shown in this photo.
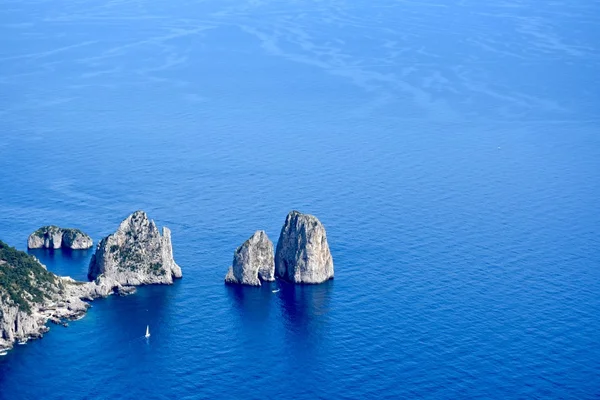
(304, 313)
(65, 262)
(305, 309)
(252, 304)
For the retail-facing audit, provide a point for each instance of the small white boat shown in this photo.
(147, 331)
(276, 290)
(22, 341)
(3, 353)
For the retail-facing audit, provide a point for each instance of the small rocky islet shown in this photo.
(53, 237)
(30, 295)
(302, 255)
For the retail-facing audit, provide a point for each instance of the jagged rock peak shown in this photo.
(53, 237)
(252, 261)
(136, 254)
(302, 254)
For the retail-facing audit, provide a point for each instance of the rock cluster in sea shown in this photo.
(302, 255)
(53, 237)
(136, 254)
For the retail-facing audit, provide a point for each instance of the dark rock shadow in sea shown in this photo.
(305, 309)
(251, 303)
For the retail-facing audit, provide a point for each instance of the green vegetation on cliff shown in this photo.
(46, 229)
(72, 232)
(23, 279)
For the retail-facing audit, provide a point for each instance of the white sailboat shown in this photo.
(147, 331)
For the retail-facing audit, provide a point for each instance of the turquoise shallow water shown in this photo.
(450, 149)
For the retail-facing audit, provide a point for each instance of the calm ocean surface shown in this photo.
(451, 148)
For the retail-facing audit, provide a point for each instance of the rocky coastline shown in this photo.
(30, 296)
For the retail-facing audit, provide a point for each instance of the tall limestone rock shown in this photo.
(136, 254)
(53, 237)
(252, 261)
(302, 254)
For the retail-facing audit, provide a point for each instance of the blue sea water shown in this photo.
(451, 148)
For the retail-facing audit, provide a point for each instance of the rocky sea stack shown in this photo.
(53, 237)
(136, 254)
(302, 254)
(253, 261)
